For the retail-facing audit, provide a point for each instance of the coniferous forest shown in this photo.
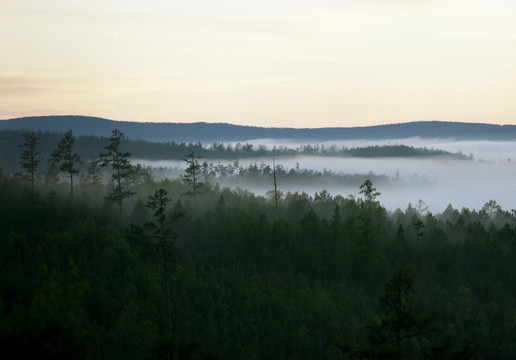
(99, 260)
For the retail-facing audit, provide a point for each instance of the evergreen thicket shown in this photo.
(233, 275)
(246, 280)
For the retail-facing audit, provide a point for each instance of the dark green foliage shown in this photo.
(192, 174)
(121, 169)
(249, 281)
(399, 324)
(369, 191)
(163, 235)
(398, 333)
(29, 157)
(67, 159)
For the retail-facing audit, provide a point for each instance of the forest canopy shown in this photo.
(249, 276)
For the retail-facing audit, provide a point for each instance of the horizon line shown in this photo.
(257, 126)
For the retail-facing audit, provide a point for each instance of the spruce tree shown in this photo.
(28, 157)
(192, 172)
(121, 166)
(66, 157)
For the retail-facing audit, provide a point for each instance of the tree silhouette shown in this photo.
(418, 226)
(275, 183)
(161, 232)
(399, 323)
(121, 166)
(192, 173)
(387, 337)
(369, 191)
(28, 157)
(66, 158)
(366, 218)
(157, 237)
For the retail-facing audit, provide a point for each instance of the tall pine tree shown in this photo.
(66, 157)
(121, 166)
(28, 157)
(192, 173)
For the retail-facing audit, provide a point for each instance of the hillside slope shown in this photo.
(220, 132)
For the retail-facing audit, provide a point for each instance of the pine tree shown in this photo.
(369, 191)
(157, 236)
(192, 172)
(28, 157)
(121, 166)
(66, 158)
(399, 324)
(162, 233)
(275, 183)
(370, 195)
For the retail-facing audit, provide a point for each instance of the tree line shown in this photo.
(209, 173)
(87, 147)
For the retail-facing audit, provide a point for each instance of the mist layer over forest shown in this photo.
(440, 172)
(498, 150)
(487, 174)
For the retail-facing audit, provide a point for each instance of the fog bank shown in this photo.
(438, 181)
(480, 149)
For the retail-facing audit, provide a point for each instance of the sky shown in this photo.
(281, 63)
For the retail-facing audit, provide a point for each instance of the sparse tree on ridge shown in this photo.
(28, 157)
(370, 195)
(490, 209)
(275, 183)
(192, 173)
(274, 193)
(121, 166)
(369, 191)
(66, 158)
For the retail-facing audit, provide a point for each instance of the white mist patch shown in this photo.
(479, 149)
(437, 181)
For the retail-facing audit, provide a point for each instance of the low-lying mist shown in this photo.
(479, 149)
(438, 181)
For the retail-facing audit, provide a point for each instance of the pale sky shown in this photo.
(282, 63)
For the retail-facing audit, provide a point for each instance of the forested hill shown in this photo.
(204, 132)
(88, 147)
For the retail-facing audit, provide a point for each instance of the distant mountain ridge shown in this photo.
(222, 132)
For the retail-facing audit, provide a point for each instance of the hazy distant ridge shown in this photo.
(204, 132)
